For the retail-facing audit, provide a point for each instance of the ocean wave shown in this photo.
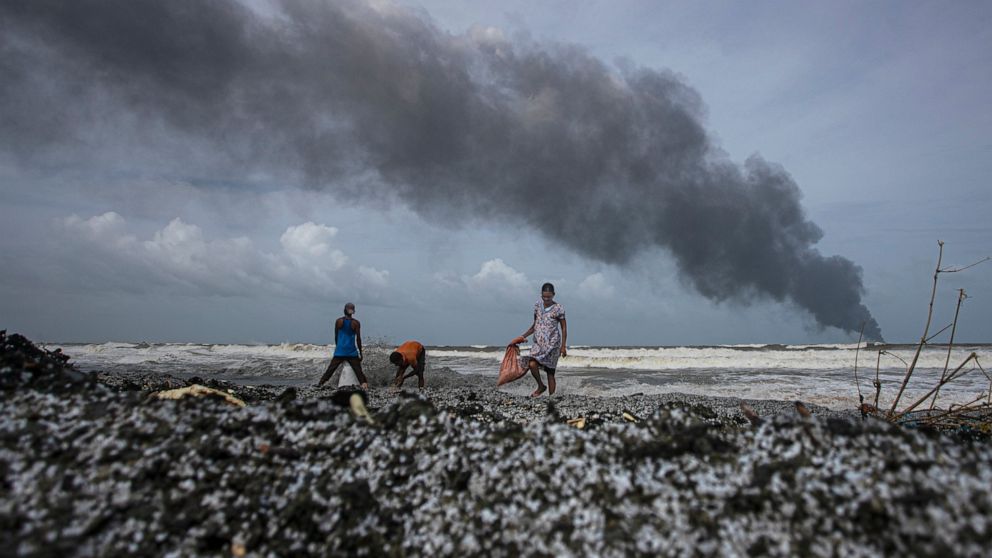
(694, 358)
(812, 373)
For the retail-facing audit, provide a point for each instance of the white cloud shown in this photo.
(448, 279)
(499, 285)
(311, 243)
(486, 35)
(180, 246)
(496, 275)
(106, 229)
(595, 286)
(373, 276)
(496, 285)
(179, 257)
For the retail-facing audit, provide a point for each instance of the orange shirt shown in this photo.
(410, 350)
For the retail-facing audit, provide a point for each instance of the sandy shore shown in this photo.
(95, 467)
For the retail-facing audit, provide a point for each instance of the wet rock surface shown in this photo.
(456, 471)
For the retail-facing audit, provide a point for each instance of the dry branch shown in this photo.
(895, 356)
(957, 269)
(950, 345)
(878, 382)
(923, 338)
(857, 382)
(949, 377)
(972, 417)
(942, 330)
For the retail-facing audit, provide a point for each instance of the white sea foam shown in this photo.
(806, 357)
(142, 352)
(848, 346)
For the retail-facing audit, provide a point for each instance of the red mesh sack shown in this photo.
(510, 369)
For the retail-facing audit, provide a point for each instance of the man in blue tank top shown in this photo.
(347, 347)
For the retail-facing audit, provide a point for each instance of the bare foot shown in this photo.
(537, 392)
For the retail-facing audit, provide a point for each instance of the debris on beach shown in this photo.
(196, 390)
(97, 472)
(342, 396)
(357, 404)
(750, 415)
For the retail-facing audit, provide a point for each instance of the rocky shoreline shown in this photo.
(91, 465)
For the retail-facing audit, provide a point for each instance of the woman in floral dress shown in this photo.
(549, 341)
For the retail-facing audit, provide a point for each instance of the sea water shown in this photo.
(820, 374)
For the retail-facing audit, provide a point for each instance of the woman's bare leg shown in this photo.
(552, 384)
(535, 371)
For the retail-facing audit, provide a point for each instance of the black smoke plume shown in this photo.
(611, 161)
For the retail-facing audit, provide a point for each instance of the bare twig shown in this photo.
(989, 378)
(895, 356)
(942, 330)
(943, 416)
(954, 412)
(949, 377)
(923, 338)
(950, 345)
(956, 408)
(857, 349)
(957, 269)
(878, 382)
(979, 365)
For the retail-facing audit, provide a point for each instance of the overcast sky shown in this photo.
(238, 174)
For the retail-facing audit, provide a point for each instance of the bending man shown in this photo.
(409, 355)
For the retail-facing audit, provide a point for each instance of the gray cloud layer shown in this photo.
(375, 101)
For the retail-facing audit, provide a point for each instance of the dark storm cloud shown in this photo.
(610, 161)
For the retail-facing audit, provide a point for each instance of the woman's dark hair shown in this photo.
(396, 358)
(548, 288)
